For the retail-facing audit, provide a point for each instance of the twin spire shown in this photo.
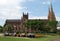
(51, 16)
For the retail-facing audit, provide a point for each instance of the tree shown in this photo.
(7, 28)
(52, 25)
(1, 29)
(35, 25)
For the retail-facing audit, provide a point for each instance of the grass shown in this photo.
(46, 38)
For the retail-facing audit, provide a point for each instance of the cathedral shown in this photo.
(20, 24)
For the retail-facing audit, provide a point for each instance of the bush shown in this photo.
(17, 32)
(38, 35)
(58, 33)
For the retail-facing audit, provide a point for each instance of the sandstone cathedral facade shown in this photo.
(32, 25)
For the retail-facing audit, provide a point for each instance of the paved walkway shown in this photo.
(1, 34)
(56, 39)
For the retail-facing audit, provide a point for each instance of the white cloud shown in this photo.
(7, 2)
(3, 2)
(10, 8)
(46, 3)
(31, 0)
(41, 17)
(58, 18)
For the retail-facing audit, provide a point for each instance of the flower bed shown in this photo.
(38, 35)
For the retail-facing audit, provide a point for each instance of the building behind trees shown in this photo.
(33, 25)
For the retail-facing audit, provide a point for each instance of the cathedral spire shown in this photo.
(51, 16)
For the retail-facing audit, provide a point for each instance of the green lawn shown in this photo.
(46, 38)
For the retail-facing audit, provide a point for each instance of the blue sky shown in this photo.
(37, 9)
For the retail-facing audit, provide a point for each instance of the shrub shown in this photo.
(38, 35)
(58, 33)
(17, 32)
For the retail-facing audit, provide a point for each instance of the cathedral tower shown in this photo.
(24, 21)
(25, 17)
(51, 15)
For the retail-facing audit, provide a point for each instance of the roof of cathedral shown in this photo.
(13, 20)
